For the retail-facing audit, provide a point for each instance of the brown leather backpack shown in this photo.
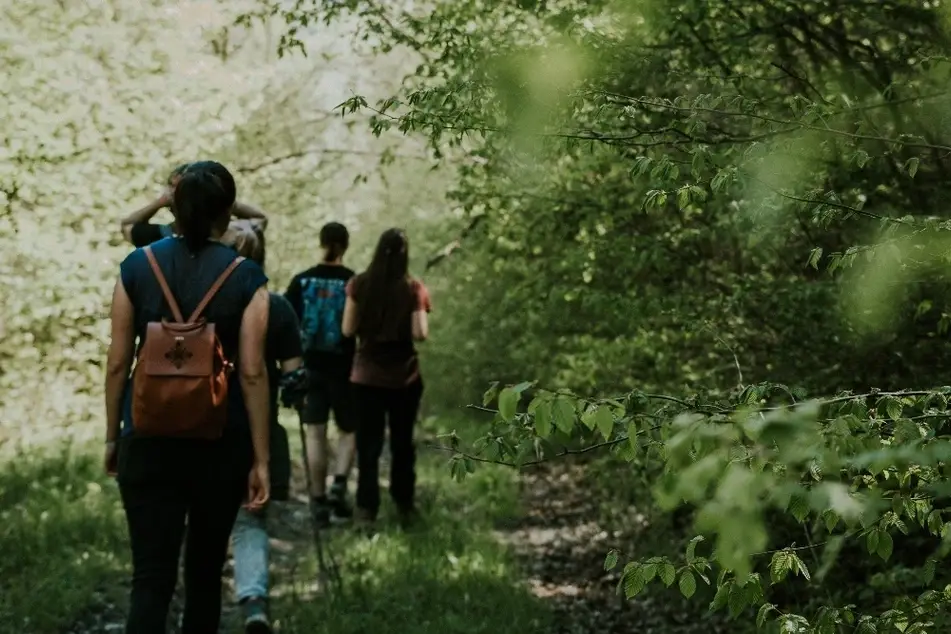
(180, 380)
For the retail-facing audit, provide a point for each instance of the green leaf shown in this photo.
(814, 258)
(633, 580)
(563, 412)
(683, 197)
(893, 408)
(688, 584)
(604, 419)
(779, 566)
(521, 387)
(587, 418)
(911, 166)
(610, 561)
(799, 566)
(737, 601)
(830, 518)
(490, 394)
(650, 570)
(861, 158)
(764, 611)
(722, 596)
(799, 507)
(508, 402)
(885, 545)
(543, 419)
(871, 541)
(928, 570)
(668, 574)
(692, 548)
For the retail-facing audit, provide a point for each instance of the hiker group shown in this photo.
(200, 353)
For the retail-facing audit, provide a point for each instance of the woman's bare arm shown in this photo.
(420, 325)
(144, 214)
(244, 211)
(349, 325)
(119, 360)
(253, 372)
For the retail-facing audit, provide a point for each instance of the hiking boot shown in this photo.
(254, 611)
(321, 512)
(340, 511)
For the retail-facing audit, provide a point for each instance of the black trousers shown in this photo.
(163, 484)
(378, 407)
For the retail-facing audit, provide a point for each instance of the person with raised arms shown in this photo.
(139, 230)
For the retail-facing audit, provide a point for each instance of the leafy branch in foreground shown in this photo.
(854, 469)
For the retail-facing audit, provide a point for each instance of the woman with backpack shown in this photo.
(282, 353)
(386, 310)
(195, 440)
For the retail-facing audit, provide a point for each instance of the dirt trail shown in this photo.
(558, 542)
(290, 540)
(562, 546)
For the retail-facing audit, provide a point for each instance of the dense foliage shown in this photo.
(712, 198)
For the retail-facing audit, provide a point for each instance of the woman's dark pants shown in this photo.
(163, 484)
(377, 408)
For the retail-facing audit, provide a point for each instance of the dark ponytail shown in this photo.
(384, 291)
(203, 200)
(335, 239)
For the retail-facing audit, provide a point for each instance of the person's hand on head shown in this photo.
(168, 192)
(167, 195)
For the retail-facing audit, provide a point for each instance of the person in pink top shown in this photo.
(387, 310)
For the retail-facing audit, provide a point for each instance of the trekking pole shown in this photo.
(328, 571)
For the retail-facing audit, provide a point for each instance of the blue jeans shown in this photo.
(251, 555)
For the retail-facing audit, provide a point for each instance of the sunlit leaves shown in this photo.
(737, 464)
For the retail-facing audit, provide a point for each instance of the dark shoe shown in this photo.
(321, 512)
(364, 521)
(408, 518)
(256, 621)
(340, 511)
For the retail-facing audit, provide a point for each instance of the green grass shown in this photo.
(62, 540)
(65, 551)
(449, 576)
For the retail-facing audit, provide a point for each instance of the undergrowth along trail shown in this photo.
(65, 567)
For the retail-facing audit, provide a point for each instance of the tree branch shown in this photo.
(249, 169)
(532, 463)
(456, 244)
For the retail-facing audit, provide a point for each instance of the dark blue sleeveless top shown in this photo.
(190, 276)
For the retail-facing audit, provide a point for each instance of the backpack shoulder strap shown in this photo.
(215, 288)
(163, 284)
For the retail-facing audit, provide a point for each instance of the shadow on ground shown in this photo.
(561, 543)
